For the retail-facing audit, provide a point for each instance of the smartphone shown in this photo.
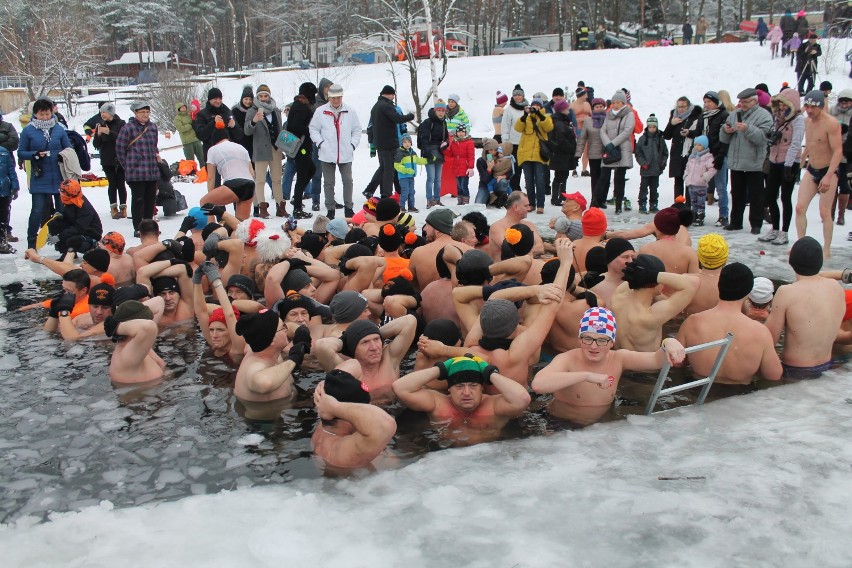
(739, 116)
(489, 158)
(46, 153)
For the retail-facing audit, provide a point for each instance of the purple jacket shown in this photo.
(139, 159)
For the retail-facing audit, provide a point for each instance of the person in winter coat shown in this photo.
(192, 149)
(806, 63)
(136, 152)
(842, 111)
(240, 111)
(497, 115)
(432, 138)
(699, 171)
(511, 115)
(774, 36)
(745, 134)
(405, 163)
(785, 156)
(263, 124)
(315, 187)
(9, 188)
(686, 29)
(709, 123)
(104, 138)
(535, 126)
(41, 142)
(8, 140)
(701, 30)
(384, 135)
(590, 140)
(680, 121)
(564, 144)
(651, 155)
(456, 116)
(494, 168)
(762, 31)
(792, 46)
(298, 122)
(336, 131)
(787, 23)
(616, 133)
(462, 151)
(79, 229)
(214, 116)
(802, 25)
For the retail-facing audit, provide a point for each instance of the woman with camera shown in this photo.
(41, 141)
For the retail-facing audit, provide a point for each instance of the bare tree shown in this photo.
(69, 58)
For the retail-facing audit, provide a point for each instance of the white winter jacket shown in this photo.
(336, 132)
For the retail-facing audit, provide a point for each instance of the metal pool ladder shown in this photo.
(706, 382)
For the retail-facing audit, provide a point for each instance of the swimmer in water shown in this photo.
(351, 432)
(133, 330)
(218, 326)
(584, 381)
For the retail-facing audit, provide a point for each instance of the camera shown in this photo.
(773, 137)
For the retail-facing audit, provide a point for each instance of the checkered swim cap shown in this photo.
(598, 320)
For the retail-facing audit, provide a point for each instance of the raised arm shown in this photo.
(402, 331)
(411, 390)
(327, 351)
(513, 399)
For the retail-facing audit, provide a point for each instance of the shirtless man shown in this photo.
(712, 256)
(95, 264)
(133, 329)
(120, 264)
(438, 228)
(649, 229)
(172, 281)
(517, 208)
(570, 225)
(633, 303)
(619, 252)
(363, 341)
(584, 381)
(594, 229)
(264, 383)
(822, 153)
(582, 110)
(809, 311)
(103, 301)
(352, 432)
(752, 349)
(678, 258)
(149, 233)
(467, 415)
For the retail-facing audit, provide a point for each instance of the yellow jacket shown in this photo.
(528, 149)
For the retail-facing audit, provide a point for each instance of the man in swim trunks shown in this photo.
(809, 311)
(712, 256)
(352, 432)
(172, 281)
(120, 264)
(133, 330)
(594, 228)
(233, 163)
(752, 349)
(619, 253)
(570, 224)
(438, 230)
(264, 383)
(470, 415)
(517, 209)
(102, 303)
(584, 381)
(74, 298)
(633, 302)
(822, 153)
(678, 258)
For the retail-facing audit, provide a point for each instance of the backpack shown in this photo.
(80, 148)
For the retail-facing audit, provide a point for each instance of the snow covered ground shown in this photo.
(771, 468)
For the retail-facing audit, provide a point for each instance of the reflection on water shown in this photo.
(69, 439)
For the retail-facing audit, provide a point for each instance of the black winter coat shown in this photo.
(78, 221)
(205, 123)
(384, 120)
(710, 127)
(564, 143)
(105, 144)
(431, 134)
(8, 136)
(301, 113)
(677, 163)
(245, 140)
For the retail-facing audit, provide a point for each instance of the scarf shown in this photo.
(685, 114)
(697, 154)
(44, 125)
(598, 118)
(519, 106)
(267, 107)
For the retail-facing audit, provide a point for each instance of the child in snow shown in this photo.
(699, 172)
(462, 150)
(775, 36)
(651, 154)
(792, 47)
(405, 163)
(8, 192)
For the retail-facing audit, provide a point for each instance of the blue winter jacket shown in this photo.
(33, 141)
(8, 175)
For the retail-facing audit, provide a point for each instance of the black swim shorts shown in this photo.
(242, 188)
(817, 174)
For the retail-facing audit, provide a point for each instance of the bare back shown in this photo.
(678, 258)
(812, 309)
(130, 366)
(253, 364)
(121, 268)
(708, 293)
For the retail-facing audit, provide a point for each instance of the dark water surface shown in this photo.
(69, 439)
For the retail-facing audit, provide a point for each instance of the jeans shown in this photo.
(462, 184)
(534, 182)
(40, 209)
(142, 197)
(406, 187)
(698, 195)
(329, 180)
(287, 180)
(485, 190)
(117, 191)
(720, 180)
(433, 181)
(699, 38)
(747, 184)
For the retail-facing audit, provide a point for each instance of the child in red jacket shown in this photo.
(462, 150)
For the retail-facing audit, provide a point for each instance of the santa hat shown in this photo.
(272, 245)
(247, 231)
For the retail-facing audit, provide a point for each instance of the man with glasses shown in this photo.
(584, 381)
(745, 135)
(822, 155)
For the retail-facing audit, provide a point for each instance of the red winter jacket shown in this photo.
(462, 151)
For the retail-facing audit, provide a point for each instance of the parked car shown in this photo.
(517, 45)
(612, 42)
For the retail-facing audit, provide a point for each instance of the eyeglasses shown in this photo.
(600, 341)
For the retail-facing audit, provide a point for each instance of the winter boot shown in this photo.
(585, 173)
(627, 205)
(5, 247)
(113, 211)
(460, 200)
(281, 209)
(699, 220)
(300, 213)
(768, 237)
(781, 239)
(10, 238)
(122, 211)
(643, 208)
(653, 208)
(264, 210)
(255, 211)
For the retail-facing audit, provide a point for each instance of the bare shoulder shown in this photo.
(531, 225)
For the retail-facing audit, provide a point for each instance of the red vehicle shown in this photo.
(420, 46)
